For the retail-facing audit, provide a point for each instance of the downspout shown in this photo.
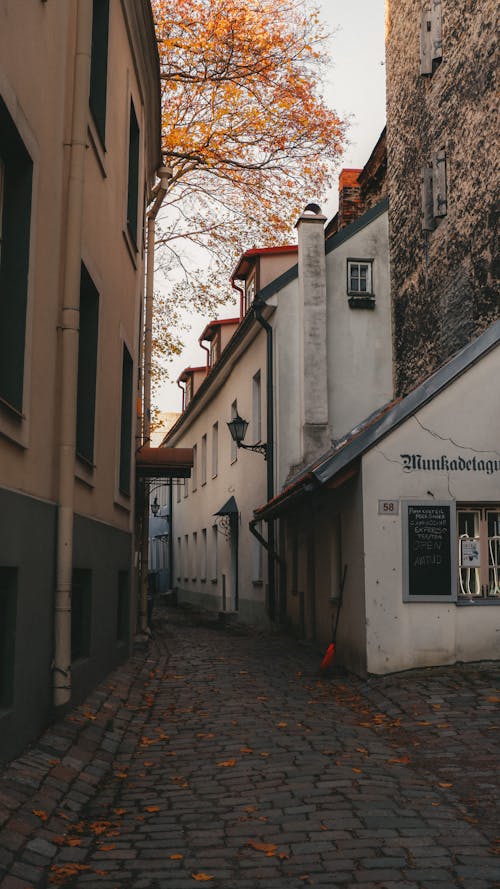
(170, 535)
(70, 326)
(164, 174)
(207, 350)
(242, 297)
(183, 396)
(258, 305)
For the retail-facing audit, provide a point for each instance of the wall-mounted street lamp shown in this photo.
(238, 428)
(155, 507)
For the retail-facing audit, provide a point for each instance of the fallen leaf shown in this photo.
(246, 750)
(250, 809)
(444, 784)
(152, 808)
(263, 753)
(119, 811)
(358, 771)
(227, 763)
(281, 724)
(202, 878)
(176, 857)
(493, 699)
(40, 814)
(268, 848)
(401, 760)
(98, 827)
(89, 715)
(107, 848)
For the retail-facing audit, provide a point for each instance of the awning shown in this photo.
(229, 508)
(164, 462)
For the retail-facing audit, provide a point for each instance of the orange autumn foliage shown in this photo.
(246, 134)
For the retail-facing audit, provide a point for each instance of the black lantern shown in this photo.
(238, 428)
(155, 507)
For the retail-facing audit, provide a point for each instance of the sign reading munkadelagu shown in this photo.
(420, 463)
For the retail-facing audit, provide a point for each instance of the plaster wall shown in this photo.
(359, 339)
(272, 265)
(243, 477)
(461, 421)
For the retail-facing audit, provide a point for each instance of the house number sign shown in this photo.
(388, 507)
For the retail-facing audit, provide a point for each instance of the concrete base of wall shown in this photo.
(28, 550)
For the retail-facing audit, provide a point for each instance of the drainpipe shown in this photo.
(170, 536)
(207, 350)
(164, 174)
(242, 297)
(70, 325)
(181, 387)
(258, 305)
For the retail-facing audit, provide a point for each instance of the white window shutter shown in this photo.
(440, 197)
(436, 30)
(425, 41)
(428, 223)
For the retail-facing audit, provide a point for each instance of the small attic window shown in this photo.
(360, 283)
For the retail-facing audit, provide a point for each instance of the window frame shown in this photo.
(98, 91)
(203, 460)
(88, 352)
(215, 449)
(484, 552)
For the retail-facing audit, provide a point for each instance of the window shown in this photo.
(8, 598)
(178, 487)
(359, 277)
(213, 554)
(186, 556)
(249, 292)
(133, 176)
(81, 609)
(478, 551)
(195, 555)
(126, 422)
(439, 192)
(203, 561)
(204, 459)
(256, 408)
(234, 446)
(186, 487)
(215, 449)
(431, 43)
(215, 349)
(87, 367)
(179, 558)
(99, 65)
(122, 607)
(194, 473)
(16, 170)
(360, 284)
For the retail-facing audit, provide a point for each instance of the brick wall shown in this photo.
(443, 280)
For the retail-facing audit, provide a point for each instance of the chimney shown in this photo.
(351, 204)
(313, 395)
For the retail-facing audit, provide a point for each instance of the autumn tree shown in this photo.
(246, 134)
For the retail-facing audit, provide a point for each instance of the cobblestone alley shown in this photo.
(219, 757)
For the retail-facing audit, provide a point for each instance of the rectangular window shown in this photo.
(133, 176)
(439, 188)
(359, 277)
(179, 558)
(256, 408)
(99, 65)
(126, 421)
(204, 459)
(234, 446)
(16, 172)
(81, 610)
(195, 555)
(478, 552)
(186, 557)
(194, 471)
(178, 487)
(203, 561)
(215, 449)
(186, 487)
(213, 554)
(122, 607)
(8, 600)
(87, 367)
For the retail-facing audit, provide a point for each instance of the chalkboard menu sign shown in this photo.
(429, 551)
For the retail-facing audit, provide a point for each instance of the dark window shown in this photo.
(87, 366)
(126, 422)
(133, 175)
(99, 65)
(16, 169)
(81, 610)
(122, 609)
(8, 589)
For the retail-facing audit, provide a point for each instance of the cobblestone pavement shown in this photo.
(220, 757)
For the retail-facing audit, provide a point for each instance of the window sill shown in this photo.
(13, 424)
(361, 302)
(466, 601)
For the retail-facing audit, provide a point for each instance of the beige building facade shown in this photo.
(79, 147)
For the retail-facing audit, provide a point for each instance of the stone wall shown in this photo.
(445, 279)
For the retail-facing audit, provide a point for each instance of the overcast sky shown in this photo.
(355, 90)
